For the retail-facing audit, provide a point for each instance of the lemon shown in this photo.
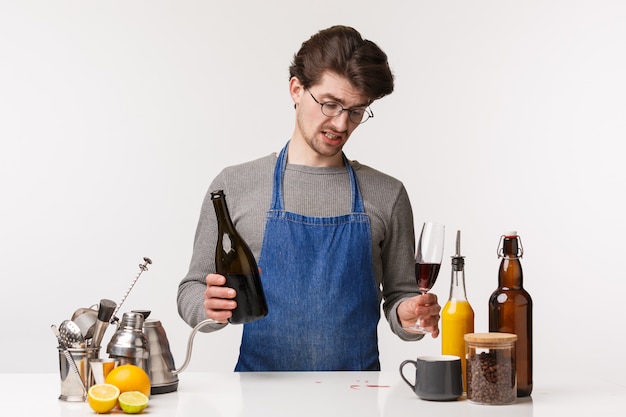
(133, 402)
(129, 378)
(103, 397)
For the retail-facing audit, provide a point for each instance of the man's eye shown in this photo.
(333, 107)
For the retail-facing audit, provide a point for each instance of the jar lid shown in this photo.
(492, 337)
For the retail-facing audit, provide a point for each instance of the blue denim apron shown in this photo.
(320, 289)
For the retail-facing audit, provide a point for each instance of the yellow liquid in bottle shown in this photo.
(457, 319)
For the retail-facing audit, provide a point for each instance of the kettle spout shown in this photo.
(190, 344)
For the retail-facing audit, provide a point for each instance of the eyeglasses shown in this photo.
(333, 109)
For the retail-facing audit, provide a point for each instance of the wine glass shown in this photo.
(428, 258)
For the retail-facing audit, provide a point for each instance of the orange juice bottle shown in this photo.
(457, 316)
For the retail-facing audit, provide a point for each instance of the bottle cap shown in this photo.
(458, 262)
(217, 194)
(510, 235)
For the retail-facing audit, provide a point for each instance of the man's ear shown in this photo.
(295, 90)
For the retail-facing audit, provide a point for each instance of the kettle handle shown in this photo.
(190, 344)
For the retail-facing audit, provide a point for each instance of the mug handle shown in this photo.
(414, 363)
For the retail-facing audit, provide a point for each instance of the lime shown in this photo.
(133, 402)
(103, 397)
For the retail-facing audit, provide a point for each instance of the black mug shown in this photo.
(437, 378)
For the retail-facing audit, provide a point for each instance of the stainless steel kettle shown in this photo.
(163, 372)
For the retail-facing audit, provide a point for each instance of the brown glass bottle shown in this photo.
(235, 261)
(511, 309)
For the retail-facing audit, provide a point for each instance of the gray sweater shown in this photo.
(310, 191)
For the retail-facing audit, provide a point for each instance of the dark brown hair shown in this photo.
(342, 50)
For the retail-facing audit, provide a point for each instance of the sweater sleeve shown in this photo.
(398, 281)
(191, 289)
(248, 190)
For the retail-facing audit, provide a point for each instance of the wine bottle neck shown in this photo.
(224, 222)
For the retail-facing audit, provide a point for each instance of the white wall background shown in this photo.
(115, 116)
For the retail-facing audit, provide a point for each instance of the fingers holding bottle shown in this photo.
(218, 299)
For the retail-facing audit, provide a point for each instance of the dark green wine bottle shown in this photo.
(235, 261)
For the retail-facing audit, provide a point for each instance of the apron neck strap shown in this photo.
(278, 201)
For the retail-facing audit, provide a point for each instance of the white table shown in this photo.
(327, 394)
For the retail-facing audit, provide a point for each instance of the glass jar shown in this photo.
(490, 372)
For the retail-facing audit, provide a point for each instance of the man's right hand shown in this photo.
(218, 299)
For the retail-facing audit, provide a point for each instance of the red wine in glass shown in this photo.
(426, 275)
(428, 258)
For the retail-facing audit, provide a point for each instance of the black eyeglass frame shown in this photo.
(366, 111)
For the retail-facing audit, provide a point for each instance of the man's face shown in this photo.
(325, 136)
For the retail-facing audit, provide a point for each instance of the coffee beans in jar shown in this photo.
(490, 369)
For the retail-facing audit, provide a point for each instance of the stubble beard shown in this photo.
(313, 139)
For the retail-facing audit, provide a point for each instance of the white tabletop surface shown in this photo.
(362, 394)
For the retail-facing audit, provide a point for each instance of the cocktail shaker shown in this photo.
(129, 344)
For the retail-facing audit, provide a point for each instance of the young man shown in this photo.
(332, 236)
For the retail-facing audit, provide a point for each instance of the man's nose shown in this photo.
(341, 121)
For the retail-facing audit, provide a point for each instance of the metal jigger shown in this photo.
(105, 312)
